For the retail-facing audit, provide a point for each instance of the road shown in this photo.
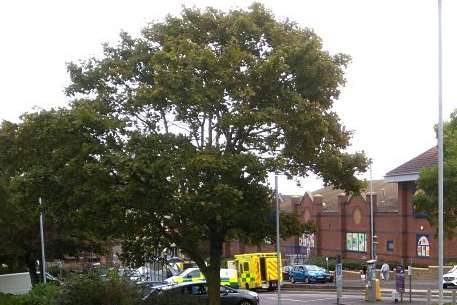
(325, 299)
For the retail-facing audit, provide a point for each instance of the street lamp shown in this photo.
(440, 156)
(278, 247)
(372, 228)
(43, 258)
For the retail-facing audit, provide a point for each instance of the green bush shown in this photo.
(8, 299)
(41, 294)
(93, 290)
(348, 264)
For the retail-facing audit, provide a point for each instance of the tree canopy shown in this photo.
(211, 102)
(236, 82)
(426, 196)
(57, 155)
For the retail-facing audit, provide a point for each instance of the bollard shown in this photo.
(453, 297)
(428, 297)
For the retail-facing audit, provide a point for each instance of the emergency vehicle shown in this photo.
(228, 277)
(258, 270)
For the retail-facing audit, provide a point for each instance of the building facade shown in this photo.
(343, 222)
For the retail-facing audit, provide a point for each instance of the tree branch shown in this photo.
(210, 131)
(202, 132)
(164, 118)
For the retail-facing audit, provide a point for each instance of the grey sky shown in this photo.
(390, 99)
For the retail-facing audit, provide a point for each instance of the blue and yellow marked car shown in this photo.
(228, 277)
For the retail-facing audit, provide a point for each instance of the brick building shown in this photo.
(343, 222)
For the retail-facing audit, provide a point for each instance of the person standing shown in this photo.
(385, 269)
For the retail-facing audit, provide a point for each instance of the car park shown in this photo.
(309, 274)
(199, 291)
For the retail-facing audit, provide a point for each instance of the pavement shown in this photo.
(326, 298)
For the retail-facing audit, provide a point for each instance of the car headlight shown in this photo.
(254, 294)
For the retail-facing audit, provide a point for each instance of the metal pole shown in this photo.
(440, 157)
(43, 258)
(410, 289)
(278, 247)
(373, 254)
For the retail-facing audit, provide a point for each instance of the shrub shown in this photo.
(8, 299)
(93, 290)
(41, 294)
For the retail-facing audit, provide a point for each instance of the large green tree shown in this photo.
(426, 197)
(214, 101)
(60, 156)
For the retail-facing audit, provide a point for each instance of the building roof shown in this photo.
(287, 202)
(409, 171)
(387, 196)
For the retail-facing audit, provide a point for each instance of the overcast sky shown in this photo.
(389, 101)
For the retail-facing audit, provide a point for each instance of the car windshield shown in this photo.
(226, 289)
(184, 272)
(312, 268)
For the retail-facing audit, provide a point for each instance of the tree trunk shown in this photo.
(214, 280)
(214, 277)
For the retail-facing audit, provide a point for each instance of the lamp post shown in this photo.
(440, 156)
(278, 247)
(372, 228)
(43, 257)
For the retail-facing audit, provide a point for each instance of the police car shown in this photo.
(228, 277)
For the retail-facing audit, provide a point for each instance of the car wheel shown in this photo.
(245, 302)
(445, 286)
(306, 280)
(292, 280)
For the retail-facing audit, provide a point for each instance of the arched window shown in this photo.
(423, 246)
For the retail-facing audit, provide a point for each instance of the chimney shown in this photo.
(317, 199)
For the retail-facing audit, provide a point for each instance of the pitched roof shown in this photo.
(409, 171)
(387, 196)
(287, 202)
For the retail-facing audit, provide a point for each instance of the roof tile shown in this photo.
(413, 166)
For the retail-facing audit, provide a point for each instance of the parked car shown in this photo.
(450, 278)
(286, 272)
(309, 274)
(199, 291)
(331, 274)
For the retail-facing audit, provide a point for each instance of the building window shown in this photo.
(356, 242)
(390, 245)
(423, 246)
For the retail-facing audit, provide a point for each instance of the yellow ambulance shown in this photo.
(258, 270)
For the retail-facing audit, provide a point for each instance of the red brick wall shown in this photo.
(401, 227)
